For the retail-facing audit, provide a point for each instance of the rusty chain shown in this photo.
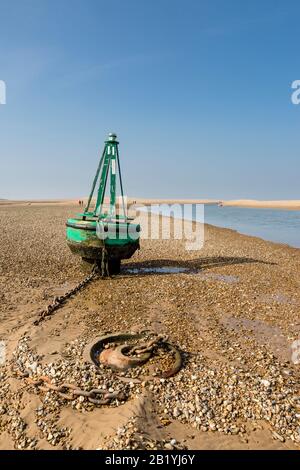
(71, 391)
(60, 300)
(132, 353)
(149, 346)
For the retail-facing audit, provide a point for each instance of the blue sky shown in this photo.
(199, 93)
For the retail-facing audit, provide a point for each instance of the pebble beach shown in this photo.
(231, 308)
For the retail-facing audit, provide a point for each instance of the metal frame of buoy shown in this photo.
(109, 163)
(100, 235)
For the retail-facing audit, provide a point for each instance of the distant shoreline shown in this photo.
(253, 203)
(247, 203)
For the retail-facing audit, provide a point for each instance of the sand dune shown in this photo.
(283, 204)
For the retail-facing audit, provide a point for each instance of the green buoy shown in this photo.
(103, 235)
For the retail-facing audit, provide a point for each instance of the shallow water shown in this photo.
(282, 226)
(156, 270)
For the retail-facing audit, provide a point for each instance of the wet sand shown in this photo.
(232, 308)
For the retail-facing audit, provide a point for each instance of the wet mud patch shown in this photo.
(228, 279)
(265, 335)
(277, 297)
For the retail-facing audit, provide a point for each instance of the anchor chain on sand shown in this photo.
(108, 351)
(60, 300)
(142, 351)
(71, 391)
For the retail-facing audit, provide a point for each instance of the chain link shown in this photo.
(71, 391)
(104, 263)
(59, 301)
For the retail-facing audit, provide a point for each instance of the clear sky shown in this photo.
(198, 91)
